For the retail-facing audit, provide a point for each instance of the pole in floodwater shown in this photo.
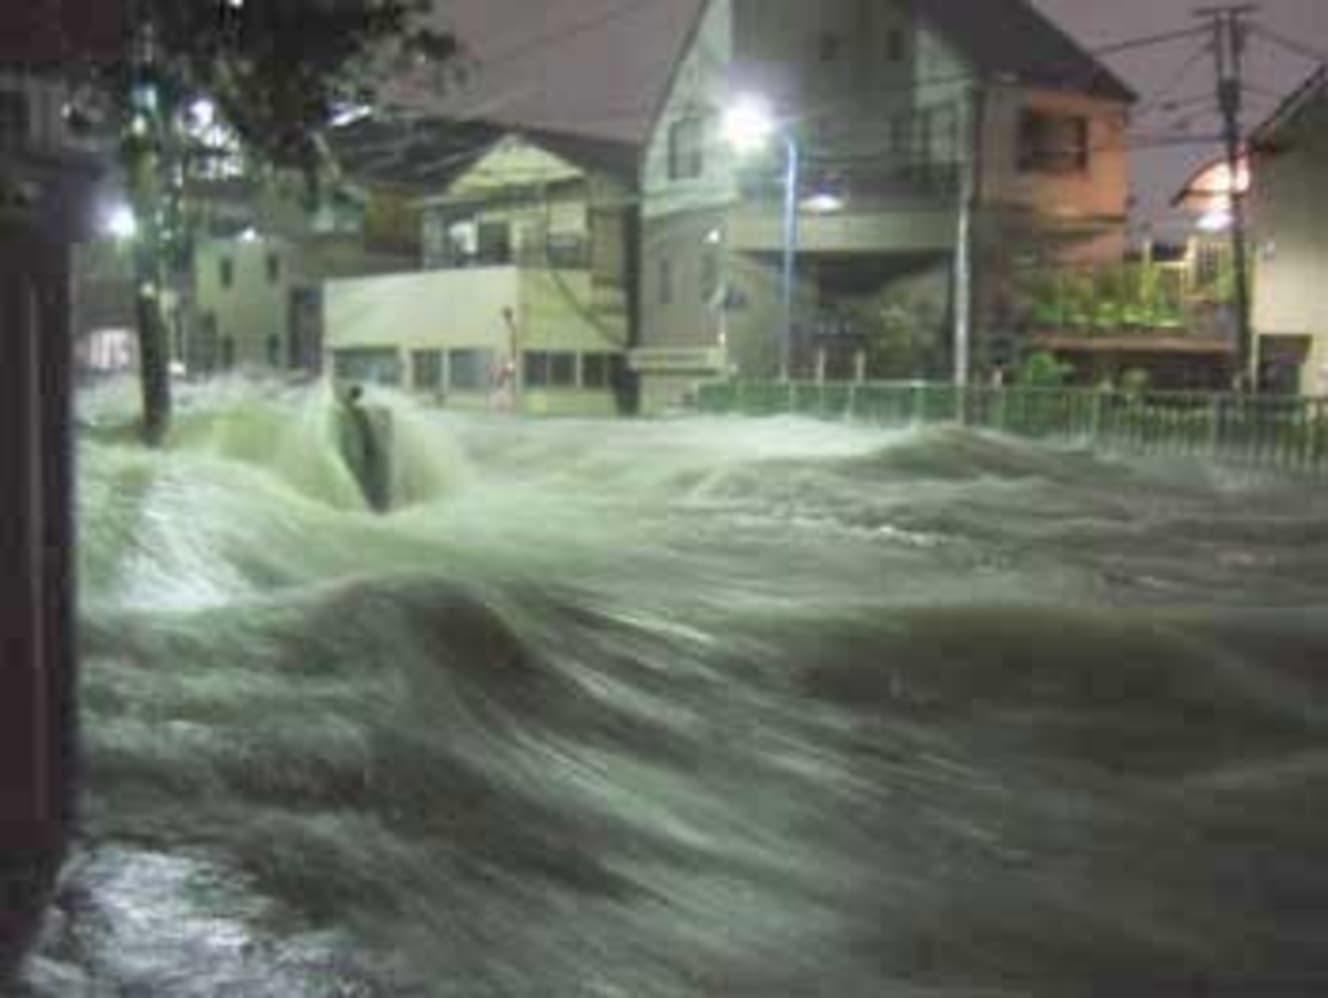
(365, 439)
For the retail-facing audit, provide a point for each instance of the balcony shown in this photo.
(872, 207)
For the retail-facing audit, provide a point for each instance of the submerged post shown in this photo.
(365, 438)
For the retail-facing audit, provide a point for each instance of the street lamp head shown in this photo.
(120, 222)
(749, 125)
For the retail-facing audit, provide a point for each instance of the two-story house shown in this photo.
(927, 132)
(943, 144)
(525, 296)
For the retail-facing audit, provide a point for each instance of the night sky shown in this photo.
(601, 68)
(1159, 172)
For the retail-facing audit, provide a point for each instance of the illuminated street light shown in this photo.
(120, 222)
(748, 127)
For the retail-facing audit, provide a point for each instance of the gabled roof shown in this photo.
(596, 68)
(1011, 38)
(1290, 108)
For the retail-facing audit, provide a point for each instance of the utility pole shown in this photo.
(1230, 30)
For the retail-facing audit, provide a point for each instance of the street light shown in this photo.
(120, 223)
(749, 126)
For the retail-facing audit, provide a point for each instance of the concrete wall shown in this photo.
(445, 310)
(1289, 206)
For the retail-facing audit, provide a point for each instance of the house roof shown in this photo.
(428, 156)
(1011, 38)
(1290, 108)
(596, 68)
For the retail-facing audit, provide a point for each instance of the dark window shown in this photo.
(227, 272)
(535, 372)
(896, 45)
(495, 243)
(830, 45)
(274, 351)
(567, 251)
(227, 353)
(370, 365)
(426, 370)
(666, 281)
(470, 370)
(686, 148)
(562, 370)
(1052, 143)
(273, 268)
(595, 370)
(14, 118)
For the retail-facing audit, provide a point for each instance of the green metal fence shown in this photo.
(1269, 431)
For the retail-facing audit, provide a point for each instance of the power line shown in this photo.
(1291, 45)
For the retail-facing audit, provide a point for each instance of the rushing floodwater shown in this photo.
(766, 708)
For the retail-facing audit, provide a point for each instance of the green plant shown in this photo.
(1043, 370)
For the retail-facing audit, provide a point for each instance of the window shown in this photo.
(227, 353)
(273, 268)
(426, 370)
(567, 251)
(1052, 143)
(14, 118)
(535, 369)
(601, 370)
(494, 243)
(896, 45)
(830, 45)
(370, 365)
(226, 272)
(470, 370)
(274, 350)
(562, 370)
(666, 281)
(686, 148)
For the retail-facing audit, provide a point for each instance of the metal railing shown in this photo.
(1280, 432)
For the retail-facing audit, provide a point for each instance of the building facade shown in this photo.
(525, 297)
(927, 133)
(1289, 200)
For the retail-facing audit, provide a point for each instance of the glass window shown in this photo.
(226, 272)
(562, 370)
(14, 118)
(1052, 143)
(273, 268)
(370, 365)
(274, 350)
(535, 369)
(495, 243)
(470, 370)
(896, 45)
(686, 148)
(426, 370)
(567, 251)
(227, 353)
(595, 370)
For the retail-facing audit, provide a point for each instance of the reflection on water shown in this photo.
(690, 708)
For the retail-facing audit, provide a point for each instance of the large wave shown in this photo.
(699, 707)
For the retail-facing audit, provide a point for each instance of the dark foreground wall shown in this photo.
(36, 550)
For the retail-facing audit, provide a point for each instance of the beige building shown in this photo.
(1289, 202)
(525, 296)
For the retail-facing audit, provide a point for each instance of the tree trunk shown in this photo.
(153, 348)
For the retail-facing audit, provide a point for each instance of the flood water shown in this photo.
(694, 707)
